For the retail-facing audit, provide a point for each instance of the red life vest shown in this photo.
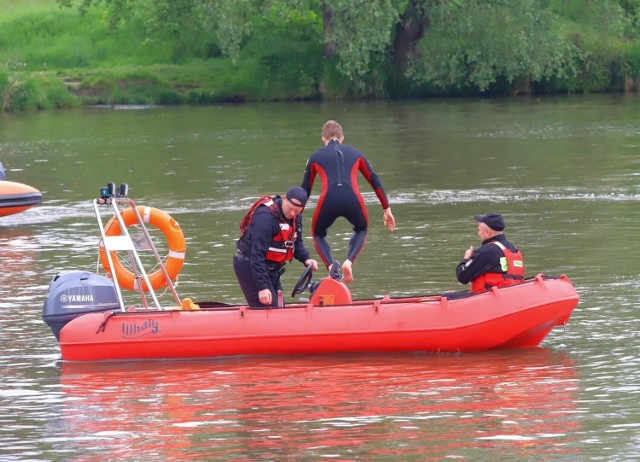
(282, 245)
(512, 272)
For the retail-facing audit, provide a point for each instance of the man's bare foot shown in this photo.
(347, 273)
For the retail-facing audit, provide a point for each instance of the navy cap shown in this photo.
(493, 220)
(298, 194)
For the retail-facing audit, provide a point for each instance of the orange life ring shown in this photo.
(175, 239)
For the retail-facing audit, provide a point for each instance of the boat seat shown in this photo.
(331, 292)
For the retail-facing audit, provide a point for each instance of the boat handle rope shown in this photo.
(102, 326)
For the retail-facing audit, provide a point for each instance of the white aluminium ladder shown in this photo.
(123, 242)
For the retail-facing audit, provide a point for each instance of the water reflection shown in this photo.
(19, 251)
(348, 406)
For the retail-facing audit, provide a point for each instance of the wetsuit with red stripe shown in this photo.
(338, 165)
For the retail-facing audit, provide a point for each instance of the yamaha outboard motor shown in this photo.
(74, 293)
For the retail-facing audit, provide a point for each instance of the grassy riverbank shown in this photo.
(168, 52)
(53, 57)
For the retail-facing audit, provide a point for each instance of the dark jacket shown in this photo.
(486, 259)
(255, 243)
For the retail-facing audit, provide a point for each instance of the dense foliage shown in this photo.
(309, 49)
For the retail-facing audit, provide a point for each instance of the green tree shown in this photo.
(475, 43)
(356, 33)
(410, 29)
(405, 47)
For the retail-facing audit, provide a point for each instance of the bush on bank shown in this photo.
(52, 57)
(55, 58)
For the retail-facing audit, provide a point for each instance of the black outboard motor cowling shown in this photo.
(74, 293)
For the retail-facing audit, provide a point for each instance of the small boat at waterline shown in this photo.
(17, 197)
(512, 317)
(88, 317)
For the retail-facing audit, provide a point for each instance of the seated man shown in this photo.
(496, 262)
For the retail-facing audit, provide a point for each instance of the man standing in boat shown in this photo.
(337, 165)
(496, 263)
(271, 236)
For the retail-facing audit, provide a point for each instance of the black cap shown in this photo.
(298, 194)
(493, 220)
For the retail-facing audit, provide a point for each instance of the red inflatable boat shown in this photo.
(87, 314)
(511, 317)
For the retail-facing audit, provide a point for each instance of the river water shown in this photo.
(564, 172)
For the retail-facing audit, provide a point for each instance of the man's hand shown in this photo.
(388, 220)
(265, 297)
(312, 263)
(469, 253)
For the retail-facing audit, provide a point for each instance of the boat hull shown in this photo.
(17, 197)
(512, 317)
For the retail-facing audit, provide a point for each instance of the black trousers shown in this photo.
(242, 268)
(341, 202)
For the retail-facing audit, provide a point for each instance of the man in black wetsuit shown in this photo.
(338, 165)
(271, 236)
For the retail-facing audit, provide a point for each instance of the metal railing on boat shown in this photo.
(112, 198)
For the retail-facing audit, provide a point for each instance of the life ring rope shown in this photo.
(172, 262)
